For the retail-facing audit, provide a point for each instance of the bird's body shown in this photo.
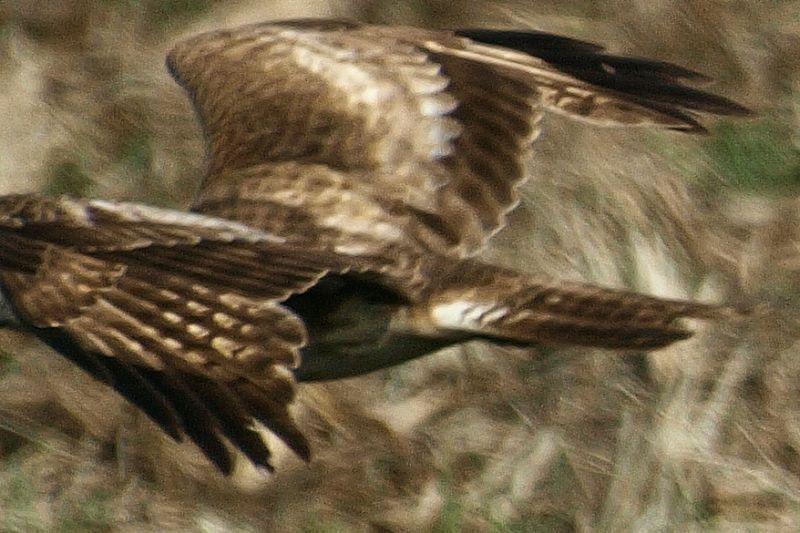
(354, 174)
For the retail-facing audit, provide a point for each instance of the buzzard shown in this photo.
(354, 172)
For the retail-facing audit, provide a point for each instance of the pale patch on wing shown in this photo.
(99, 225)
(363, 225)
(221, 229)
(354, 249)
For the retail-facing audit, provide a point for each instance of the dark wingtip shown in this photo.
(292, 437)
(222, 461)
(303, 449)
(652, 83)
(274, 416)
(529, 41)
(695, 130)
(737, 109)
(129, 381)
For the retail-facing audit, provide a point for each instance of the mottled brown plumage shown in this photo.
(354, 172)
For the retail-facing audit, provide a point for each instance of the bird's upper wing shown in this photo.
(180, 313)
(367, 135)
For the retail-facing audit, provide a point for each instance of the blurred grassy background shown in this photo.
(704, 435)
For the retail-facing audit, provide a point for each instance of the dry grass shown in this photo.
(702, 435)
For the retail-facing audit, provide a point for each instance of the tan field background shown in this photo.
(704, 435)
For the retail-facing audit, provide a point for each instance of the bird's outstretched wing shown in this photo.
(180, 313)
(375, 137)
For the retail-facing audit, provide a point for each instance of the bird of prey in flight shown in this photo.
(354, 172)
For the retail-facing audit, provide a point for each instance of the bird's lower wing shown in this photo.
(181, 318)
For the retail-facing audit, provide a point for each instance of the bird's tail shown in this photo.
(510, 307)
